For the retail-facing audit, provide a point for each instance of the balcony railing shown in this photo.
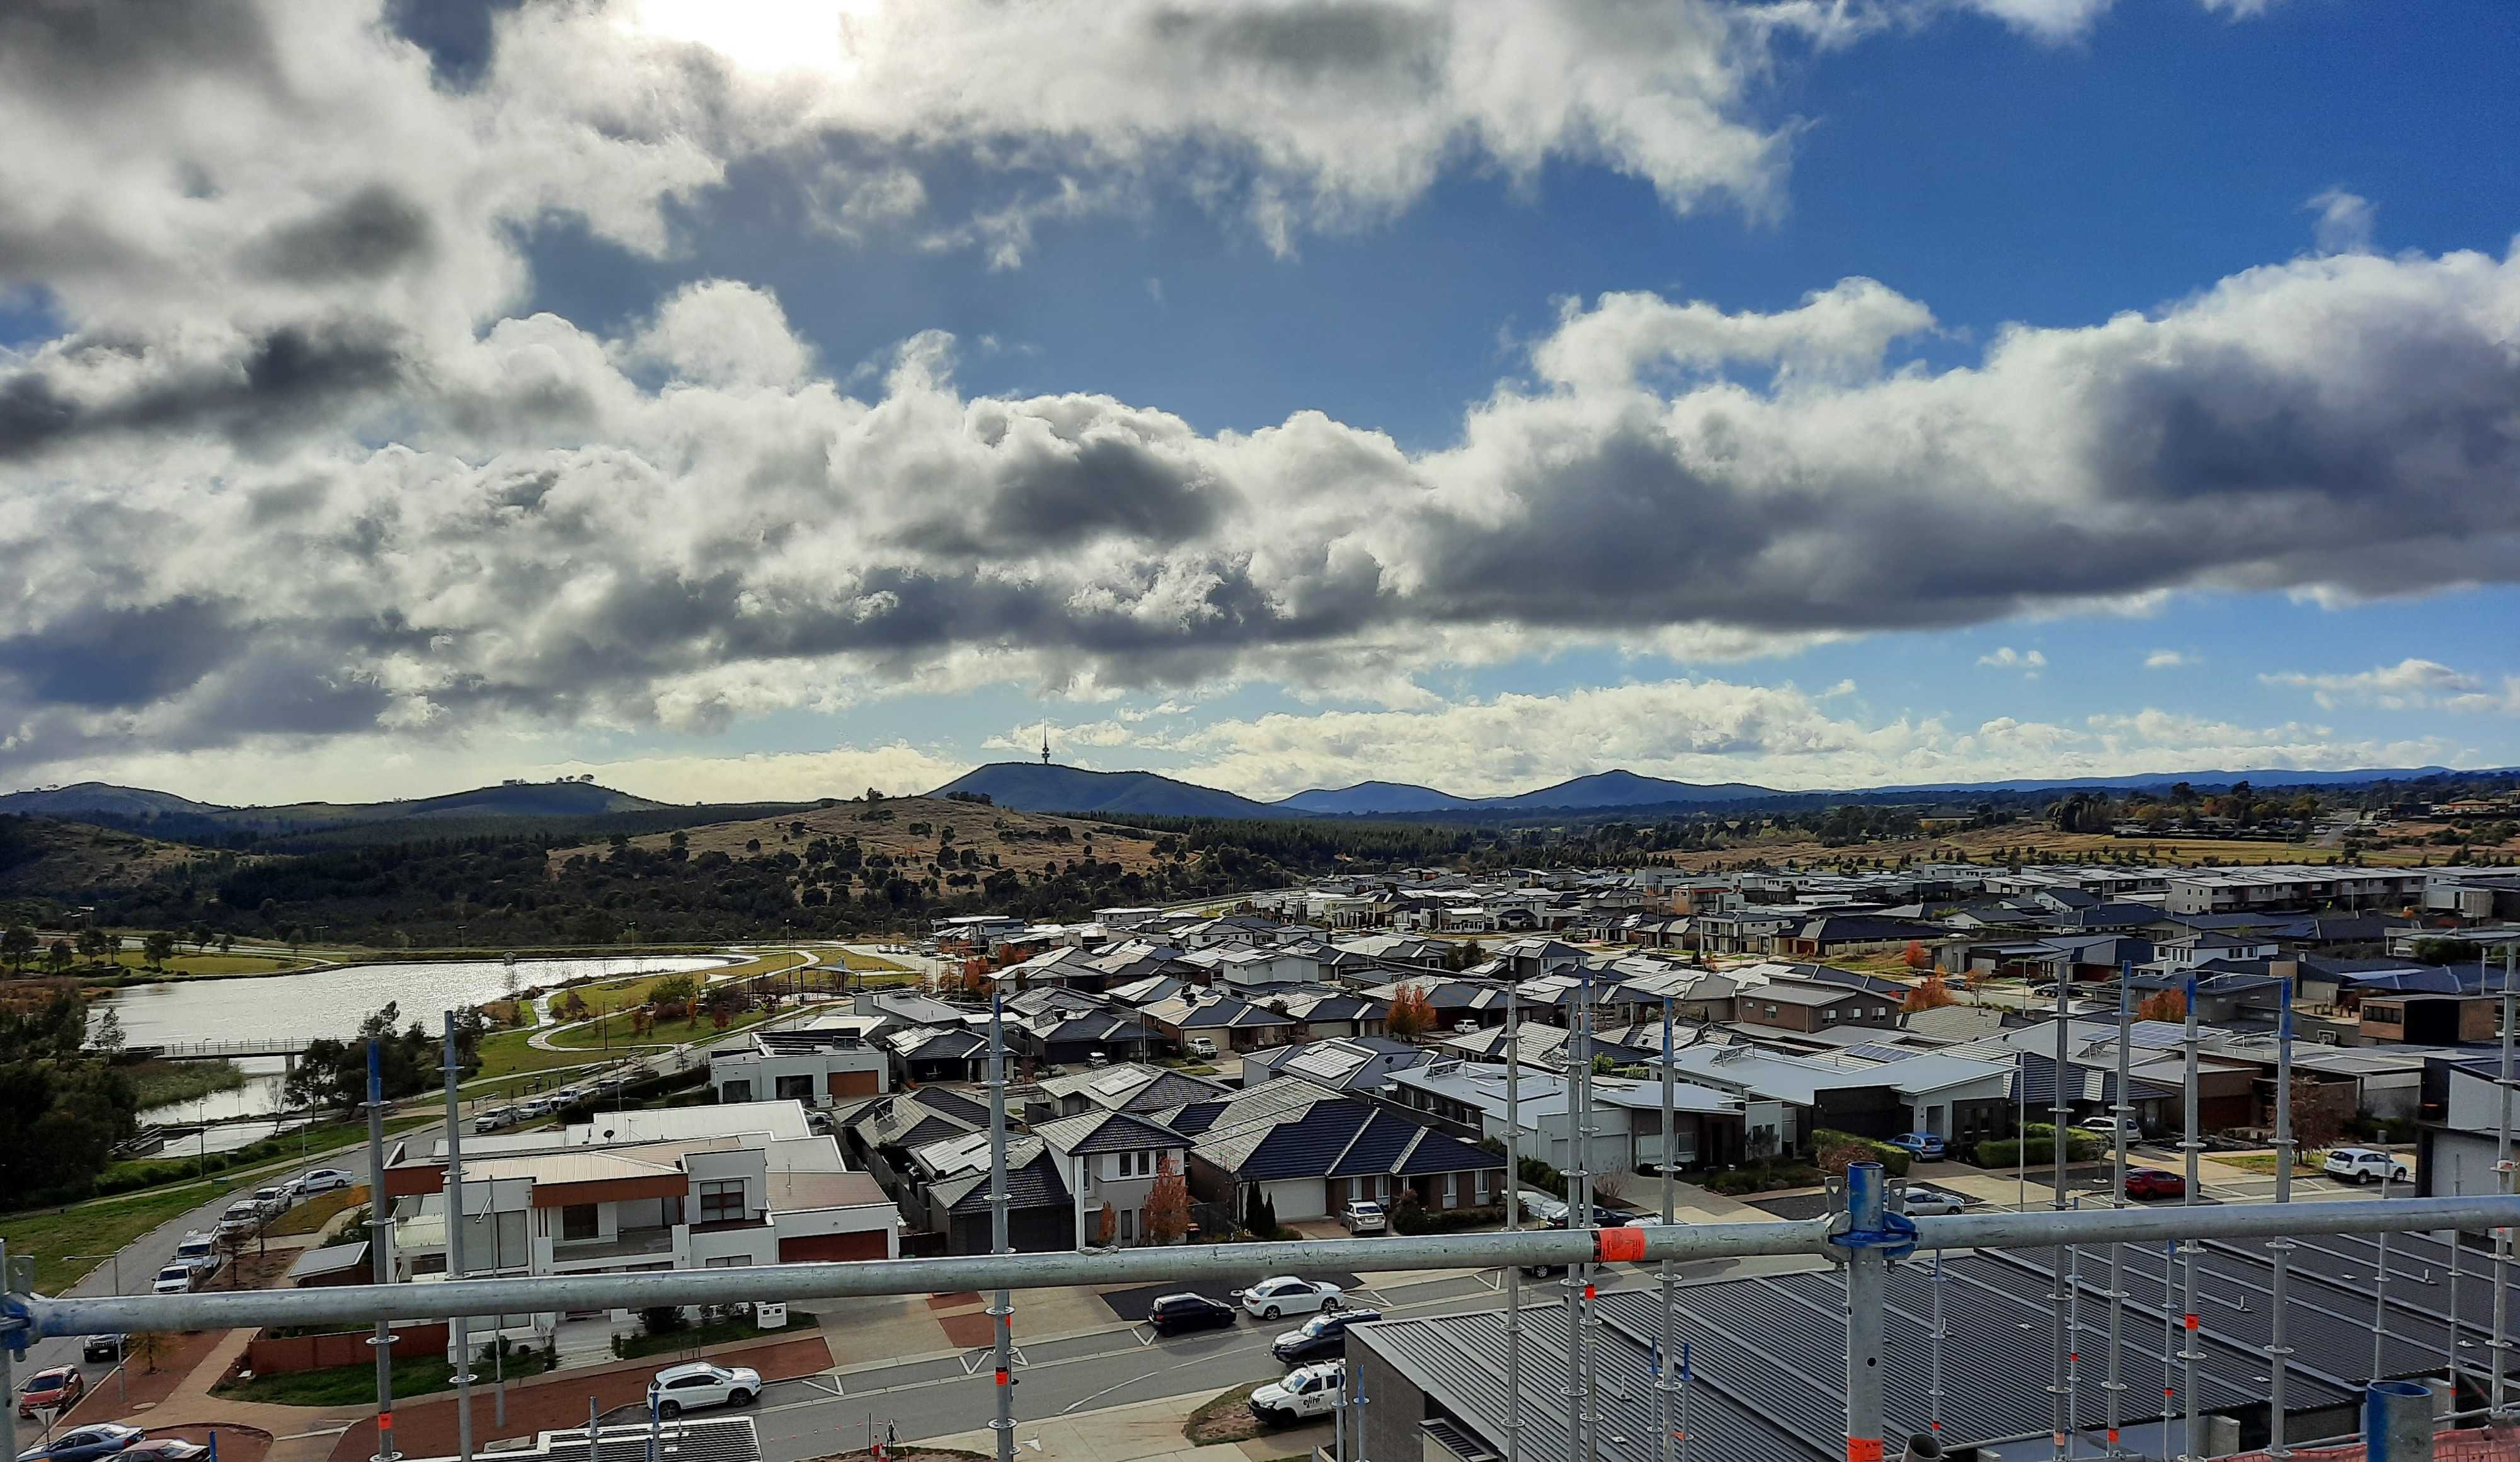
(629, 1243)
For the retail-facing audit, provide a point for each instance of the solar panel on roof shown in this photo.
(1112, 1083)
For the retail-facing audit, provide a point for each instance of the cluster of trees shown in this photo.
(63, 1107)
(333, 1073)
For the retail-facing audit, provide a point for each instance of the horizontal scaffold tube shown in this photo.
(1229, 1263)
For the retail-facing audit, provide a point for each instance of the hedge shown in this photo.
(1415, 1219)
(2040, 1139)
(1892, 1159)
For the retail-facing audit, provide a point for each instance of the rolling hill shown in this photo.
(907, 830)
(1373, 796)
(1035, 787)
(508, 805)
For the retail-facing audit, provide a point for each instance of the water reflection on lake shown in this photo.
(299, 1007)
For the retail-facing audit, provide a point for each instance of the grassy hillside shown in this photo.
(910, 830)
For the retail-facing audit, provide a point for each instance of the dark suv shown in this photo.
(1175, 1315)
(1321, 1337)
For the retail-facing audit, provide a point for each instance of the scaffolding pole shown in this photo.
(1002, 1307)
(2501, 1346)
(2060, 1385)
(1585, 1418)
(381, 1250)
(455, 1247)
(2191, 1353)
(1667, 1347)
(1934, 1356)
(1868, 1279)
(1512, 1223)
(2115, 1388)
(2279, 1287)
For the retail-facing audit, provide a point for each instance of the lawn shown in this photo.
(851, 959)
(183, 966)
(2264, 1163)
(96, 1228)
(725, 1332)
(315, 1212)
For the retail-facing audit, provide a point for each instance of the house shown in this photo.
(1323, 1014)
(1415, 952)
(952, 1199)
(1133, 1087)
(1345, 1063)
(814, 1064)
(2459, 1128)
(1064, 1039)
(977, 931)
(1745, 929)
(925, 1053)
(1709, 1127)
(1794, 1005)
(688, 1188)
(1454, 1000)
(1951, 1096)
(1854, 934)
(1250, 971)
(2280, 886)
(1109, 1162)
(1311, 1156)
(1233, 1024)
(881, 1134)
(2429, 1019)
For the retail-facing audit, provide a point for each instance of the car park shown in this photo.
(1930, 1201)
(1364, 1216)
(53, 1388)
(103, 1440)
(100, 1347)
(1179, 1314)
(1307, 1392)
(1287, 1295)
(323, 1181)
(2154, 1182)
(1923, 1145)
(679, 1389)
(2366, 1164)
(1324, 1335)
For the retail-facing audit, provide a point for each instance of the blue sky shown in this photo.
(643, 257)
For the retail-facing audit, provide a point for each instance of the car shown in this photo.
(1918, 1202)
(1287, 1295)
(323, 1181)
(53, 1388)
(2107, 1126)
(1548, 1210)
(1305, 1392)
(174, 1279)
(102, 1348)
(1325, 1334)
(492, 1122)
(164, 1450)
(1923, 1145)
(1098, 1058)
(80, 1443)
(199, 1250)
(1202, 1046)
(2154, 1182)
(1364, 1216)
(273, 1201)
(677, 1388)
(1176, 1314)
(243, 1216)
(1603, 1217)
(2366, 1164)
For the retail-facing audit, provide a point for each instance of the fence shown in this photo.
(269, 1355)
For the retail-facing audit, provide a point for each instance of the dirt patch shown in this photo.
(953, 1302)
(1225, 1418)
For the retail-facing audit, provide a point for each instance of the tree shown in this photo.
(2163, 1005)
(58, 957)
(1412, 1013)
(158, 948)
(106, 1036)
(1167, 1204)
(17, 945)
(95, 943)
(227, 942)
(1917, 958)
(1931, 993)
(147, 1346)
(2316, 1124)
(1106, 1224)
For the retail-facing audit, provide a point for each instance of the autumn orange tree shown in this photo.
(2165, 1005)
(1412, 1013)
(1167, 1206)
(1916, 957)
(1931, 993)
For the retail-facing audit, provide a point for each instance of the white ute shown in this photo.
(1308, 1391)
(1286, 1295)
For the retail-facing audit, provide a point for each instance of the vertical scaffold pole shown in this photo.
(1512, 1222)
(1579, 1215)
(1669, 1347)
(2191, 1353)
(1002, 1304)
(2279, 1289)
(2115, 1388)
(2500, 1348)
(2060, 1340)
(381, 1250)
(1868, 1274)
(462, 1328)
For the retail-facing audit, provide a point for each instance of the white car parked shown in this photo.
(322, 1180)
(1364, 1216)
(1919, 1202)
(681, 1388)
(174, 1279)
(1307, 1390)
(2366, 1164)
(1286, 1295)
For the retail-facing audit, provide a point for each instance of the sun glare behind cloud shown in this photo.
(757, 36)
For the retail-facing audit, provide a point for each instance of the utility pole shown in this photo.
(1002, 1308)
(1579, 1215)
(455, 1248)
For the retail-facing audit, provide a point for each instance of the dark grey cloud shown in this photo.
(1324, 39)
(370, 234)
(76, 46)
(100, 659)
(290, 379)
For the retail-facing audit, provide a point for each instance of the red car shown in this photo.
(55, 1388)
(2152, 1183)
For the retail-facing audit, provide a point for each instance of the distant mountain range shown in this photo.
(1032, 786)
(166, 815)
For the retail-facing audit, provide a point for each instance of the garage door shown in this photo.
(825, 1248)
(855, 1084)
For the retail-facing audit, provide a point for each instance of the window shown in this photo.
(722, 1202)
(794, 1088)
(727, 1261)
(732, 1092)
(1829, 1015)
(577, 1221)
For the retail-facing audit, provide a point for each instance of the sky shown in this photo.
(748, 401)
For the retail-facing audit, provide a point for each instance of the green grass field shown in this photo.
(97, 1228)
(183, 966)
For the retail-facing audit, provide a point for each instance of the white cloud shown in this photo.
(2168, 659)
(2059, 20)
(2343, 224)
(2411, 684)
(2006, 658)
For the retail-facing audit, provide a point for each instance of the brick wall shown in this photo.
(268, 1354)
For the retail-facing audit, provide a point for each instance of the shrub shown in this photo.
(1415, 1219)
(1838, 1149)
(1539, 1175)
